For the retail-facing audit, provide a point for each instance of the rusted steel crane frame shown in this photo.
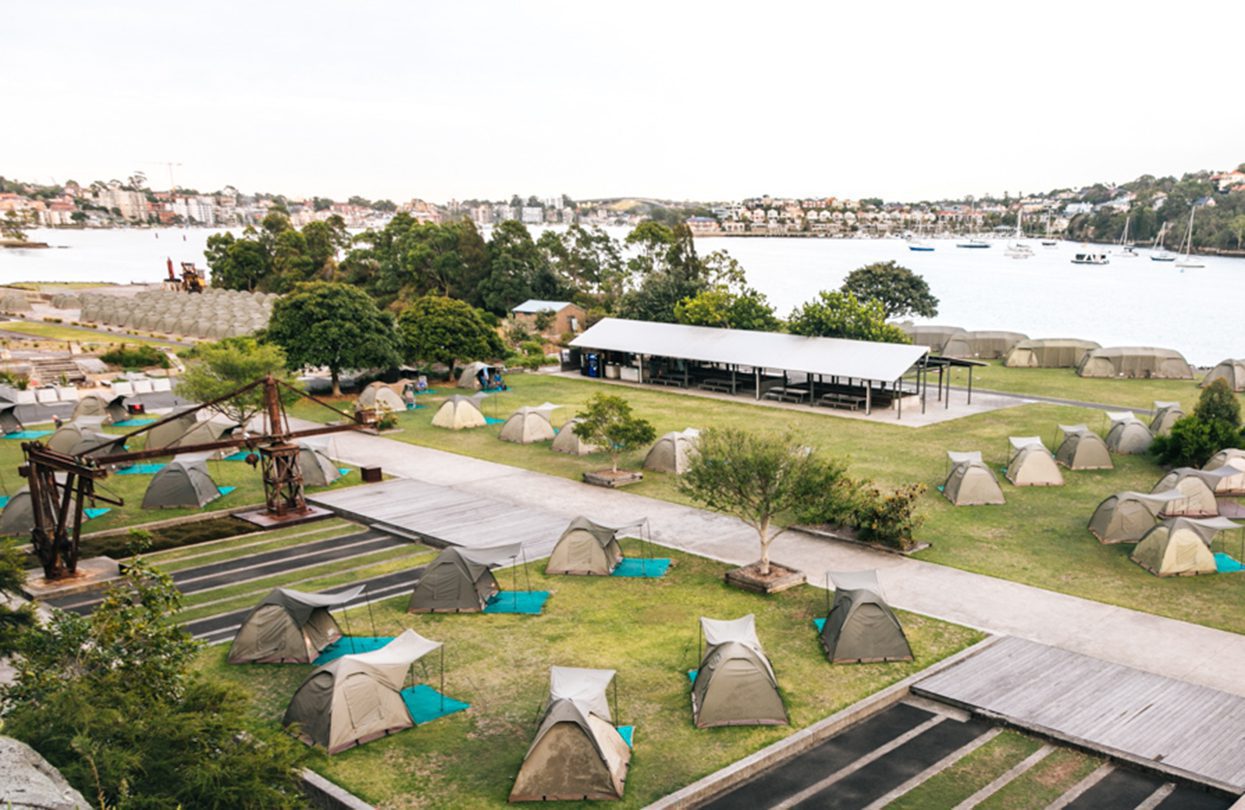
(58, 505)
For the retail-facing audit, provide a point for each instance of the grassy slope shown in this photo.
(89, 337)
(1063, 383)
(1038, 537)
(646, 629)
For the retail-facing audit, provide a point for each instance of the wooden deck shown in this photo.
(1181, 729)
(443, 516)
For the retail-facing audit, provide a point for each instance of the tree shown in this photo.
(899, 290)
(757, 478)
(721, 307)
(236, 264)
(437, 329)
(335, 325)
(607, 422)
(226, 365)
(1238, 230)
(517, 270)
(13, 226)
(665, 270)
(841, 315)
(1215, 424)
(13, 620)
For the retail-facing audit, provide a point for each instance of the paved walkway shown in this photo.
(1214, 658)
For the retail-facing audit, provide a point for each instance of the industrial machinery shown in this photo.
(192, 280)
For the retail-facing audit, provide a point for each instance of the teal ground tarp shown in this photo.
(628, 735)
(4, 501)
(238, 456)
(1226, 565)
(28, 434)
(425, 704)
(491, 421)
(225, 490)
(691, 675)
(343, 470)
(133, 422)
(141, 469)
(647, 567)
(91, 514)
(527, 602)
(349, 645)
(820, 624)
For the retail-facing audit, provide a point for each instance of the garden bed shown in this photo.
(847, 534)
(612, 478)
(780, 578)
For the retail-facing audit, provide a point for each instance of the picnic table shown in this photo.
(836, 399)
(787, 394)
(718, 384)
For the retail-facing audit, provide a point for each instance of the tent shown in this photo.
(1128, 436)
(469, 377)
(1135, 361)
(577, 754)
(9, 422)
(357, 698)
(983, 345)
(567, 442)
(460, 580)
(735, 683)
(181, 483)
(458, 413)
(172, 427)
(93, 406)
(1180, 546)
(527, 426)
(76, 440)
(1230, 371)
(1125, 517)
(1197, 488)
(18, 516)
(207, 432)
(672, 452)
(289, 627)
(861, 627)
(1233, 458)
(379, 397)
(971, 482)
(318, 470)
(1049, 353)
(585, 548)
(1082, 449)
(1165, 415)
(1031, 464)
(932, 336)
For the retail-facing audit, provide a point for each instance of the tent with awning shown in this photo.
(971, 482)
(172, 427)
(861, 627)
(9, 423)
(460, 580)
(181, 483)
(289, 627)
(1230, 458)
(735, 683)
(1180, 546)
(1125, 517)
(1083, 449)
(527, 426)
(585, 547)
(1128, 435)
(1031, 464)
(1197, 490)
(1166, 414)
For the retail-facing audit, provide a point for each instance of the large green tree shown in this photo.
(590, 260)
(1214, 425)
(725, 308)
(219, 368)
(899, 290)
(665, 269)
(841, 315)
(517, 270)
(437, 329)
(236, 264)
(333, 325)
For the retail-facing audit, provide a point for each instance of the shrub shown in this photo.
(532, 348)
(1213, 425)
(889, 518)
(516, 333)
(139, 356)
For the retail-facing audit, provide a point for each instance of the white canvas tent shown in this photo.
(1233, 458)
(567, 442)
(671, 452)
(459, 413)
(527, 426)
(1031, 464)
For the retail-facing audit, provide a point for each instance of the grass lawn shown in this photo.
(1063, 383)
(1043, 783)
(89, 338)
(1038, 537)
(645, 629)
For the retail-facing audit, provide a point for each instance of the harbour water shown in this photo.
(1132, 302)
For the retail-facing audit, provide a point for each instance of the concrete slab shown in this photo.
(93, 574)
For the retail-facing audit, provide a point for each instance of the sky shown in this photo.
(672, 100)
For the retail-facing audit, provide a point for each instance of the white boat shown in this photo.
(1018, 249)
(1090, 258)
(1127, 251)
(1161, 255)
(918, 246)
(976, 244)
(1187, 260)
(1049, 241)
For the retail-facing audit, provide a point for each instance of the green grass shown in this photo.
(955, 784)
(248, 539)
(1043, 783)
(1037, 538)
(88, 337)
(645, 629)
(1063, 383)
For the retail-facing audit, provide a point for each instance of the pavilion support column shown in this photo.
(946, 400)
(640, 358)
(899, 398)
(757, 372)
(868, 399)
(685, 375)
(733, 384)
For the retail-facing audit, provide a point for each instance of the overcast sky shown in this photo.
(667, 99)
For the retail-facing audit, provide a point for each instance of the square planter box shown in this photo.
(609, 478)
(781, 578)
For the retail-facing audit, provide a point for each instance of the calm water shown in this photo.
(1128, 302)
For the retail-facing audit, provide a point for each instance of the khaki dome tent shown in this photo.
(1197, 488)
(982, 345)
(76, 440)
(9, 422)
(460, 580)
(1230, 371)
(90, 406)
(861, 627)
(1232, 458)
(357, 698)
(1125, 517)
(207, 432)
(971, 482)
(318, 470)
(1031, 464)
(1049, 353)
(1180, 547)
(469, 377)
(567, 442)
(1135, 361)
(577, 754)
(379, 397)
(1082, 449)
(18, 517)
(458, 413)
(1128, 436)
(289, 627)
(931, 336)
(527, 426)
(181, 483)
(585, 548)
(1165, 415)
(672, 451)
(172, 427)
(735, 683)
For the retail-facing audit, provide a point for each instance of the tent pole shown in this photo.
(527, 575)
(349, 635)
(700, 640)
(371, 619)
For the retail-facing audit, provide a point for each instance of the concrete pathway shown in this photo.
(1177, 649)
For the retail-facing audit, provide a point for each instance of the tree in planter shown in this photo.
(1214, 425)
(221, 367)
(757, 478)
(607, 422)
